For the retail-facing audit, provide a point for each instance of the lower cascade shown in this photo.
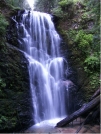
(40, 42)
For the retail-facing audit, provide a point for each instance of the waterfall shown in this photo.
(40, 43)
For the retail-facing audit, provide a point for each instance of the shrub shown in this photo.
(58, 12)
(65, 3)
(91, 63)
(94, 80)
(83, 40)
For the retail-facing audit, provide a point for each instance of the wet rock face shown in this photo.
(72, 96)
(15, 97)
(12, 31)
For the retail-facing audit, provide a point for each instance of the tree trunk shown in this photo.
(86, 108)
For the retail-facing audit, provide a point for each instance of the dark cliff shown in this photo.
(15, 97)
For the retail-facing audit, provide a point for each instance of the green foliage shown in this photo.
(94, 6)
(15, 3)
(94, 80)
(10, 2)
(85, 16)
(45, 5)
(91, 64)
(2, 84)
(3, 25)
(92, 85)
(84, 40)
(65, 3)
(3, 119)
(58, 12)
(91, 58)
(71, 35)
(7, 122)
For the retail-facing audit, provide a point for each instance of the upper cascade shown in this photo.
(31, 3)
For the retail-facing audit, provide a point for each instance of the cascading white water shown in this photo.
(40, 42)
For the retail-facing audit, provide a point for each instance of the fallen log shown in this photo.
(86, 108)
(95, 94)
